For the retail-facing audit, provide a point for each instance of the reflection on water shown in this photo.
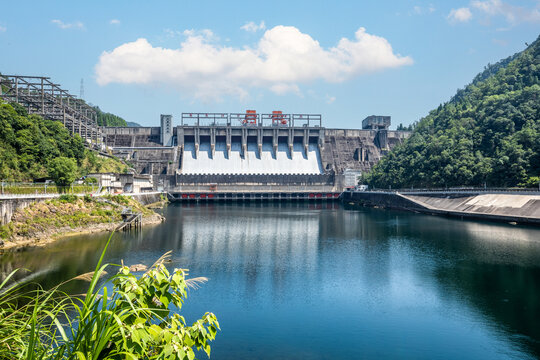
(318, 281)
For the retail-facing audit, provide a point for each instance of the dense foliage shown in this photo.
(135, 319)
(63, 170)
(29, 143)
(488, 133)
(108, 119)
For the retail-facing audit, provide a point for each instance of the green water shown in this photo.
(319, 281)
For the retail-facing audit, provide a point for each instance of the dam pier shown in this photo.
(250, 156)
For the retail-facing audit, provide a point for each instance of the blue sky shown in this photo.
(343, 59)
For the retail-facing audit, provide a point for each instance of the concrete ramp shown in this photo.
(501, 205)
(252, 162)
(507, 207)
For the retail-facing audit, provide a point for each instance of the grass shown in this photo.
(137, 318)
(40, 189)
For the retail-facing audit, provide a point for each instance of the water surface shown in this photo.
(317, 281)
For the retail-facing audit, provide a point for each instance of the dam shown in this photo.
(248, 156)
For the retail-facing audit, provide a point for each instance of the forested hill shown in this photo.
(108, 119)
(34, 148)
(488, 132)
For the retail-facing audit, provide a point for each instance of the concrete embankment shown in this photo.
(147, 198)
(497, 206)
(11, 203)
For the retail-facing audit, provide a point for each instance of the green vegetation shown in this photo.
(63, 170)
(40, 188)
(30, 144)
(136, 319)
(401, 127)
(488, 133)
(108, 119)
(68, 212)
(93, 163)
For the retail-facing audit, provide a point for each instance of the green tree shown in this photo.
(488, 133)
(63, 170)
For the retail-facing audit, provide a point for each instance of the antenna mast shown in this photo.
(81, 94)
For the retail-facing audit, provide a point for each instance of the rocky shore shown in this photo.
(45, 222)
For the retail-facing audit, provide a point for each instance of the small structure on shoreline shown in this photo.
(124, 183)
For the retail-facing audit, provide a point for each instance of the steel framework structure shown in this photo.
(39, 95)
(277, 118)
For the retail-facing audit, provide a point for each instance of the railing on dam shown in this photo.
(259, 179)
(276, 119)
(459, 190)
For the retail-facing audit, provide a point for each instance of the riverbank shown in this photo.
(508, 207)
(44, 222)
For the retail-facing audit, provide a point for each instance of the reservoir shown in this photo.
(324, 281)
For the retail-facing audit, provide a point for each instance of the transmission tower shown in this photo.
(81, 95)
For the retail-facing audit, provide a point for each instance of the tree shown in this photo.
(63, 170)
(488, 133)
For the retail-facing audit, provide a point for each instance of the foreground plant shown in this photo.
(136, 319)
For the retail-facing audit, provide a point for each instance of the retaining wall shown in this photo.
(9, 206)
(508, 207)
(146, 198)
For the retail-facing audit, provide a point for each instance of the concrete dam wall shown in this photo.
(267, 161)
(195, 152)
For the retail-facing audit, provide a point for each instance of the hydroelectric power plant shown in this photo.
(252, 156)
(212, 156)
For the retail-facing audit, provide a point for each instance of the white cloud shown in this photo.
(459, 15)
(252, 27)
(513, 14)
(283, 59)
(3, 29)
(63, 25)
(114, 22)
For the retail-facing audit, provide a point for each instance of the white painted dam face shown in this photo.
(252, 162)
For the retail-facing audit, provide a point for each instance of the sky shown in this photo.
(344, 60)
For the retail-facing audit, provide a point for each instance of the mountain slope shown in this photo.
(488, 132)
(29, 143)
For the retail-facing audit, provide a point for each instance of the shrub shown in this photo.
(133, 320)
(63, 170)
(90, 181)
(68, 198)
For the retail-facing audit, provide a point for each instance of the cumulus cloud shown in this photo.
(282, 59)
(252, 27)
(63, 25)
(114, 22)
(513, 14)
(459, 15)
